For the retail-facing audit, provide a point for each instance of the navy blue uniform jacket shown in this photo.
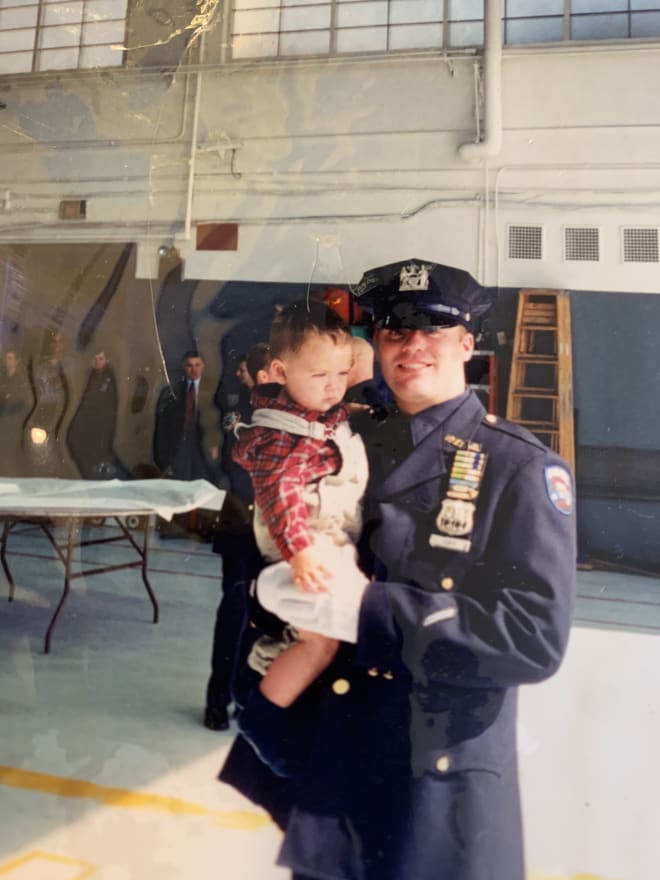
(412, 767)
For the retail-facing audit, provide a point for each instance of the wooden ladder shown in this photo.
(541, 384)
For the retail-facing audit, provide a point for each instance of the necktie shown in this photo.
(189, 419)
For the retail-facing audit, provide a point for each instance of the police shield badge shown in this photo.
(455, 517)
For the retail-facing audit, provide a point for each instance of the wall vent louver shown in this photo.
(525, 242)
(582, 243)
(640, 245)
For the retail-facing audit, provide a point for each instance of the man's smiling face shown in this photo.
(424, 367)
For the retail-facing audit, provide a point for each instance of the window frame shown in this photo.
(75, 27)
(446, 21)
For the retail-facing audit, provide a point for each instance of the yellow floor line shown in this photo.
(124, 798)
(85, 868)
(565, 877)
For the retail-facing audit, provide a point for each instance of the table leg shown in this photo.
(67, 583)
(145, 563)
(143, 553)
(3, 558)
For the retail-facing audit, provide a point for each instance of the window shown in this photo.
(534, 21)
(268, 28)
(281, 28)
(61, 34)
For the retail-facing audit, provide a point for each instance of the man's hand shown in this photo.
(309, 575)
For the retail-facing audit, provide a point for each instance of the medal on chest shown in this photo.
(455, 519)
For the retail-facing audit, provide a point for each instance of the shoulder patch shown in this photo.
(559, 486)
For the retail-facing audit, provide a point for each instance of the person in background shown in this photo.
(362, 368)
(243, 374)
(234, 541)
(45, 454)
(411, 767)
(16, 401)
(366, 396)
(236, 409)
(187, 433)
(91, 433)
(234, 402)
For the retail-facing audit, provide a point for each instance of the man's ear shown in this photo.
(277, 371)
(467, 342)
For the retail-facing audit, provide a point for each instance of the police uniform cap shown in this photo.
(421, 293)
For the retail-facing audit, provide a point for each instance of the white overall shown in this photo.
(335, 521)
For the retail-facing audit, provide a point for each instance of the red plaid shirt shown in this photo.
(281, 465)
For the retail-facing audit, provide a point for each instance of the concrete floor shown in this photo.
(106, 767)
(106, 771)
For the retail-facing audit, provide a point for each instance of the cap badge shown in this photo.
(414, 276)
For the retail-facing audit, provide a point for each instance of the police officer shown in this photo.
(411, 769)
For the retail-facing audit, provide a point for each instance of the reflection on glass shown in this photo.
(38, 436)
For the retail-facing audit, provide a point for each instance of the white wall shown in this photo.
(589, 774)
(329, 167)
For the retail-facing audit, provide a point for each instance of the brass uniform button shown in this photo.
(442, 764)
(373, 672)
(491, 419)
(447, 583)
(341, 686)
(388, 676)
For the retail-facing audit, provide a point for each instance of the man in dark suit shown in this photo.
(187, 433)
(407, 745)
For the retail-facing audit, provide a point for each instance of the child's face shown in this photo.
(315, 376)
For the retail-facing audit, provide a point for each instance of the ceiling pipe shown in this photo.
(491, 143)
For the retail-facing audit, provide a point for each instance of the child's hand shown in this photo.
(309, 575)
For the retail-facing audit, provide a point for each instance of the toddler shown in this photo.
(309, 472)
